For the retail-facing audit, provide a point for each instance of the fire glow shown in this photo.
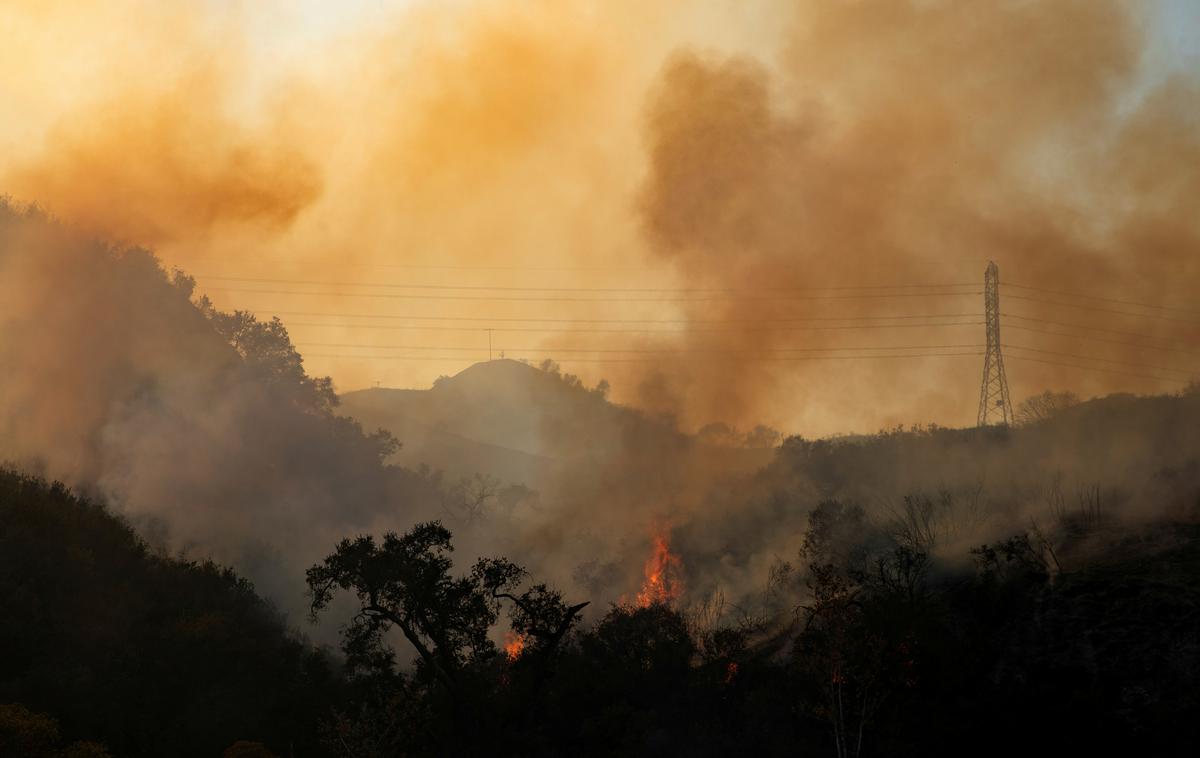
(514, 645)
(662, 584)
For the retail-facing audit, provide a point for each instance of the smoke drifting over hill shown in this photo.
(762, 147)
(910, 143)
(774, 151)
(202, 429)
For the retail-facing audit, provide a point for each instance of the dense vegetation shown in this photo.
(889, 654)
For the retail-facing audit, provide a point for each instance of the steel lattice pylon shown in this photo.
(994, 403)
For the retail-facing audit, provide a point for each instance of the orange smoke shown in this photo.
(663, 584)
(514, 645)
(765, 147)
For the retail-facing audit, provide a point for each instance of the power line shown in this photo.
(460, 359)
(1148, 346)
(1100, 360)
(573, 320)
(648, 351)
(693, 351)
(1103, 299)
(649, 360)
(459, 267)
(680, 332)
(512, 293)
(1103, 310)
(569, 299)
(639, 290)
(1085, 327)
(1095, 369)
(453, 358)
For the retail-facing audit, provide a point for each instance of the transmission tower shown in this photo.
(994, 403)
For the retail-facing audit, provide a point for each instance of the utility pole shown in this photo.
(489, 345)
(994, 403)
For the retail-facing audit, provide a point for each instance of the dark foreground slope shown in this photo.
(876, 649)
(1078, 642)
(148, 655)
(1101, 660)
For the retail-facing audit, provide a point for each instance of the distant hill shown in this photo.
(519, 423)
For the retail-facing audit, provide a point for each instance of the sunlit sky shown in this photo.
(290, 27)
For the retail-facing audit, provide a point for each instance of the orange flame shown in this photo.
(731, 672)
(514, 645)
(662, 584)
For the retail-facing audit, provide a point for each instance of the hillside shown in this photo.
(521, 424)
(145, 654)
(465, 425)
(201, 427)
(506, 403)
(1120, 461)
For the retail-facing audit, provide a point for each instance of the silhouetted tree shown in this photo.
(266, 349)
(855, 643)
(405, 582)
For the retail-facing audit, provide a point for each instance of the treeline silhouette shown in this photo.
(1067, 639)
(889, 653)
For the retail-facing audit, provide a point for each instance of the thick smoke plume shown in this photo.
(765, 148)
(911, 143)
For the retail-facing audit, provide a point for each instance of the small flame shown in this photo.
(514, 645)
(731, 672)
(662, 584)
